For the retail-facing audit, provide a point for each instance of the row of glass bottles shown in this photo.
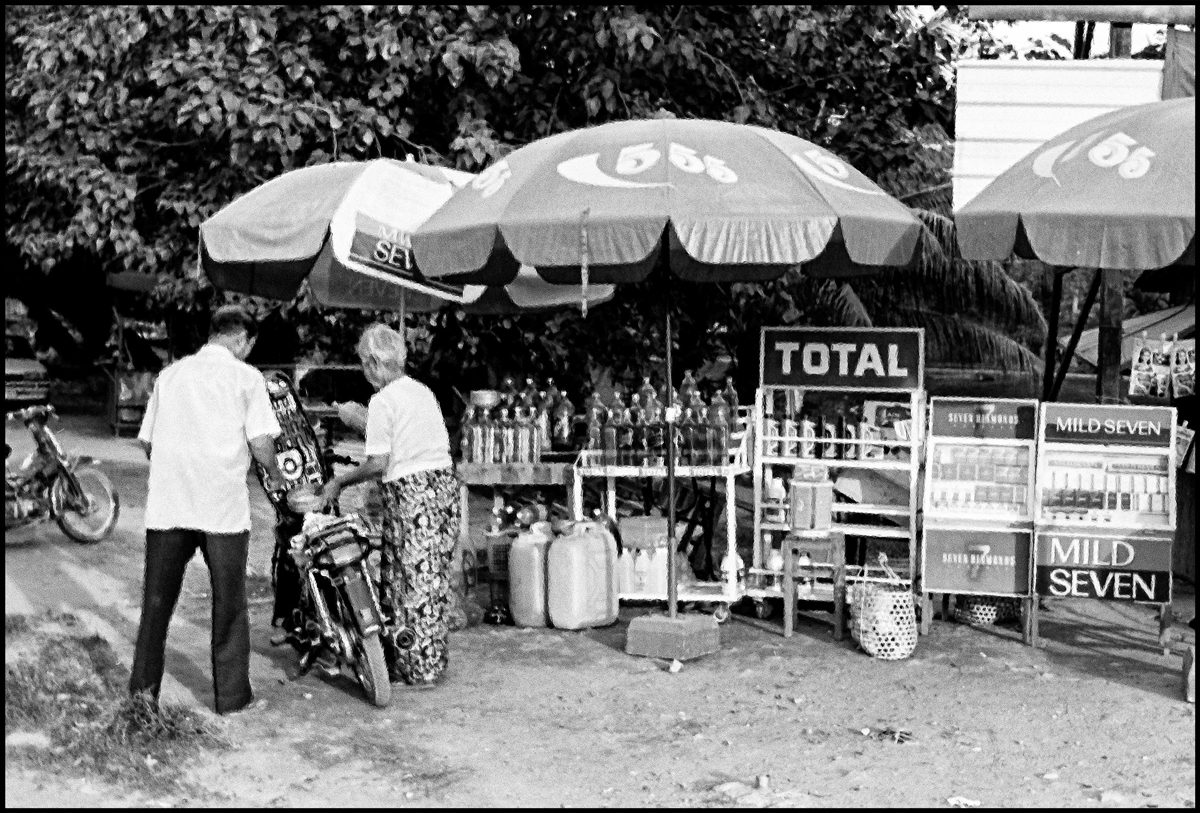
(808, 433)
(521, 437)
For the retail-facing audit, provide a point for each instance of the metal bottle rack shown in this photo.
(731, 589)
(852, 477)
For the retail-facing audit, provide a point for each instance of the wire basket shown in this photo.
(985, 611)
(883, 617)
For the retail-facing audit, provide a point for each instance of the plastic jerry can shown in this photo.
(527, 576)
(582, 578)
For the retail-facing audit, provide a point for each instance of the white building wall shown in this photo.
(1008, 108)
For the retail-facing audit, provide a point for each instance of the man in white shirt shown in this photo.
(208, 413)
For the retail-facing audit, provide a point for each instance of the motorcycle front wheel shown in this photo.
(88, 506)
(372, 669)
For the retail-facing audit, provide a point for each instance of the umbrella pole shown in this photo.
(672, 575)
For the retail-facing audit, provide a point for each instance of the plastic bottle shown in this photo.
(732, 563)
(721, 425)
(774, 561)
(803, 566)
(527, 576)
(656, 571)
(641, 570)
(625, 571)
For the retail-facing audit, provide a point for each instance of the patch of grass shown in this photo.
(73, 689)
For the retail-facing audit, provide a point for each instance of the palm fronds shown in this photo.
(957, 339)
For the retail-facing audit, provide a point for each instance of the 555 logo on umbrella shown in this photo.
(636, 159)
(1117, 150)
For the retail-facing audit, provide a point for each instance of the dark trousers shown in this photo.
(167, 556)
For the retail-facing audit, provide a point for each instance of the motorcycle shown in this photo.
(51, 484)
(338, 620)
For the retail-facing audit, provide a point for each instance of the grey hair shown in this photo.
(386, 347)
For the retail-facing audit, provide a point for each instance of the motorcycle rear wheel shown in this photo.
(95, 523)
(372, 670)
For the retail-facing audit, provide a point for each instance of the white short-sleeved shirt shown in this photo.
(203, 410)
(405, 422)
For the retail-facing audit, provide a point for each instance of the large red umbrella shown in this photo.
(706, 201)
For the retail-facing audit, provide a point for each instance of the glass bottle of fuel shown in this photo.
(529, 395)
(595, 434)
(466, 453)
(525, 434)
(608, 439)
(637, 431)
(686, 388)
(541, 420)
(720, 428)
(507, 432)
(646, 393)
(731, 398)
(686, 437)
(656, 436)
(564, 420)
(551, 396)
(508, 392)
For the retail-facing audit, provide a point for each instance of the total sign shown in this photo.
(855, 358)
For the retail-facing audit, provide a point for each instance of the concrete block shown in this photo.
(683, 638)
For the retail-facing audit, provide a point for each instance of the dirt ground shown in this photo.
(550, 718)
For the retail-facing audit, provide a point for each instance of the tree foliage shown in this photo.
(127, 126)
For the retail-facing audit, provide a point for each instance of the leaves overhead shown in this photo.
(127, 126)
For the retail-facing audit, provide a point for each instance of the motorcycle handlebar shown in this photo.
(29, 412)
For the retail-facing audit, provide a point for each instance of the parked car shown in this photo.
(25, 378)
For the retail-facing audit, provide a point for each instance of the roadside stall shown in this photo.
(979, 506)
(717, 448)
(704, 201)
(838, 447)
(1105, 515)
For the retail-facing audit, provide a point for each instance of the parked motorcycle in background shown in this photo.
(53, 485)
(339, 620)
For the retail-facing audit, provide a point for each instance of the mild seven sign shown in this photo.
(846, 358)
(1108, 425)
(1083, 563)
